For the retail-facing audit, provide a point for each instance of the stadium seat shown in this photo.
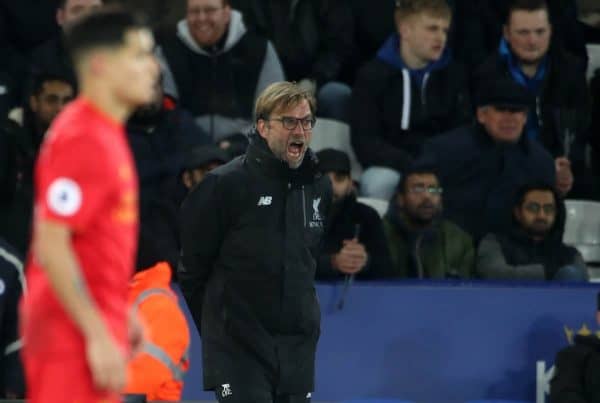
(593, 52)
(329, 133)
(381, 206)
(582, 230)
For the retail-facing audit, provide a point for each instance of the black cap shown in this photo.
(503, 92)
(331, 160)
(204, 155)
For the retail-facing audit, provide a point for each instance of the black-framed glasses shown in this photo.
(290, 123)
(535, 208)
(432, 190)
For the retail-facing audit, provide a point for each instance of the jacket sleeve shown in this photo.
(335, 46)
(492, 265)
(467, 262)
(367, 132)
(375, 242)
(567, 383)
(271, 71)
(202, 232)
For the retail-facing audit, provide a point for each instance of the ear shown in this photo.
(33, 103)
(60, 17)
(186, 178)
(481, 115)
(261, 128)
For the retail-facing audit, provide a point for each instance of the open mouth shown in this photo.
(295, 148)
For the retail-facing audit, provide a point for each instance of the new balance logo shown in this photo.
(265, 201)
(226, 391)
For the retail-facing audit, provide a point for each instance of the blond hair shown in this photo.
(282, 95)
(434, 8)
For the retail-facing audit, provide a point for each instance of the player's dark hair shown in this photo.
(103, 28)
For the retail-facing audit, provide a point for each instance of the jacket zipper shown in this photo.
(420, 272)
(304, 205)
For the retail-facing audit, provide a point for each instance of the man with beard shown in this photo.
(355, 243)
(533, 249)
(250, 233)
(421, 243)
(19, 146)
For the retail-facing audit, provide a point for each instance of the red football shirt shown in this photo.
(86, 180)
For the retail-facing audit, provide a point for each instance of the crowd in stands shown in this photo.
(453, 110)
(474, 120)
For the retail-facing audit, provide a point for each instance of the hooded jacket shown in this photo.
(395, 110)
(219, 86)
(441, 251)
(251, 233)
(514, 255)
(576, 377)
(481, 176)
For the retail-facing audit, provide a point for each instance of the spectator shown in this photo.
(215, 68)
(12, 282)
(313, 39)
(20, 145)
(576, 375)
(483, 28)
(483, 165)
(24, 24)
(533, 248)
(355, 243)
(159, 135)
(52, 57)
(200, 161)
(422, 244)
(560, 107)
(411, 91)
(158, 370)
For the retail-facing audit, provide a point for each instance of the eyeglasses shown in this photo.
(290, 123)
(535, 208)
(432, 190)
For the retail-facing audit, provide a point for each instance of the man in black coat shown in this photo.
(559, 114)
(483, 165)
(576, 378)
(250, 235)
(355, 242)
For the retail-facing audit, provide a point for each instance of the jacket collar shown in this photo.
(261, 158)
(158, 276)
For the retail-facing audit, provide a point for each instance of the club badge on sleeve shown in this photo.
(64, 197)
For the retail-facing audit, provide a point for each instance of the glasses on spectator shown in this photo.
(208, 11)
(290, 123)
(535, 208)
(420, 189)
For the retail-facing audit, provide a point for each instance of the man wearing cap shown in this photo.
(482, 165)
(200, 161)
(355, 243)
(576, 376)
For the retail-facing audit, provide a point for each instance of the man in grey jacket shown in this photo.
(215, 68)
(533, 248)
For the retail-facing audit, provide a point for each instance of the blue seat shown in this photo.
(376, 400)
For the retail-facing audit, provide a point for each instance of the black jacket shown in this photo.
(313, 38)
(345, 216)
(480, 177)
(12, 285)
(564, 104)
(481, 29)
(440, 104)
(515, 255)
(250, 236)
(576, 378)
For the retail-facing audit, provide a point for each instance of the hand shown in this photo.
(564, 175)
(107, 362)
(351, 259)
(135, 333)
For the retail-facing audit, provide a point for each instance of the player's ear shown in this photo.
(261, 128)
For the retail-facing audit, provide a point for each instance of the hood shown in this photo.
(236, 31)
(260, 156)
(389, 54)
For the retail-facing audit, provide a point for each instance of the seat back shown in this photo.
(329, 133)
